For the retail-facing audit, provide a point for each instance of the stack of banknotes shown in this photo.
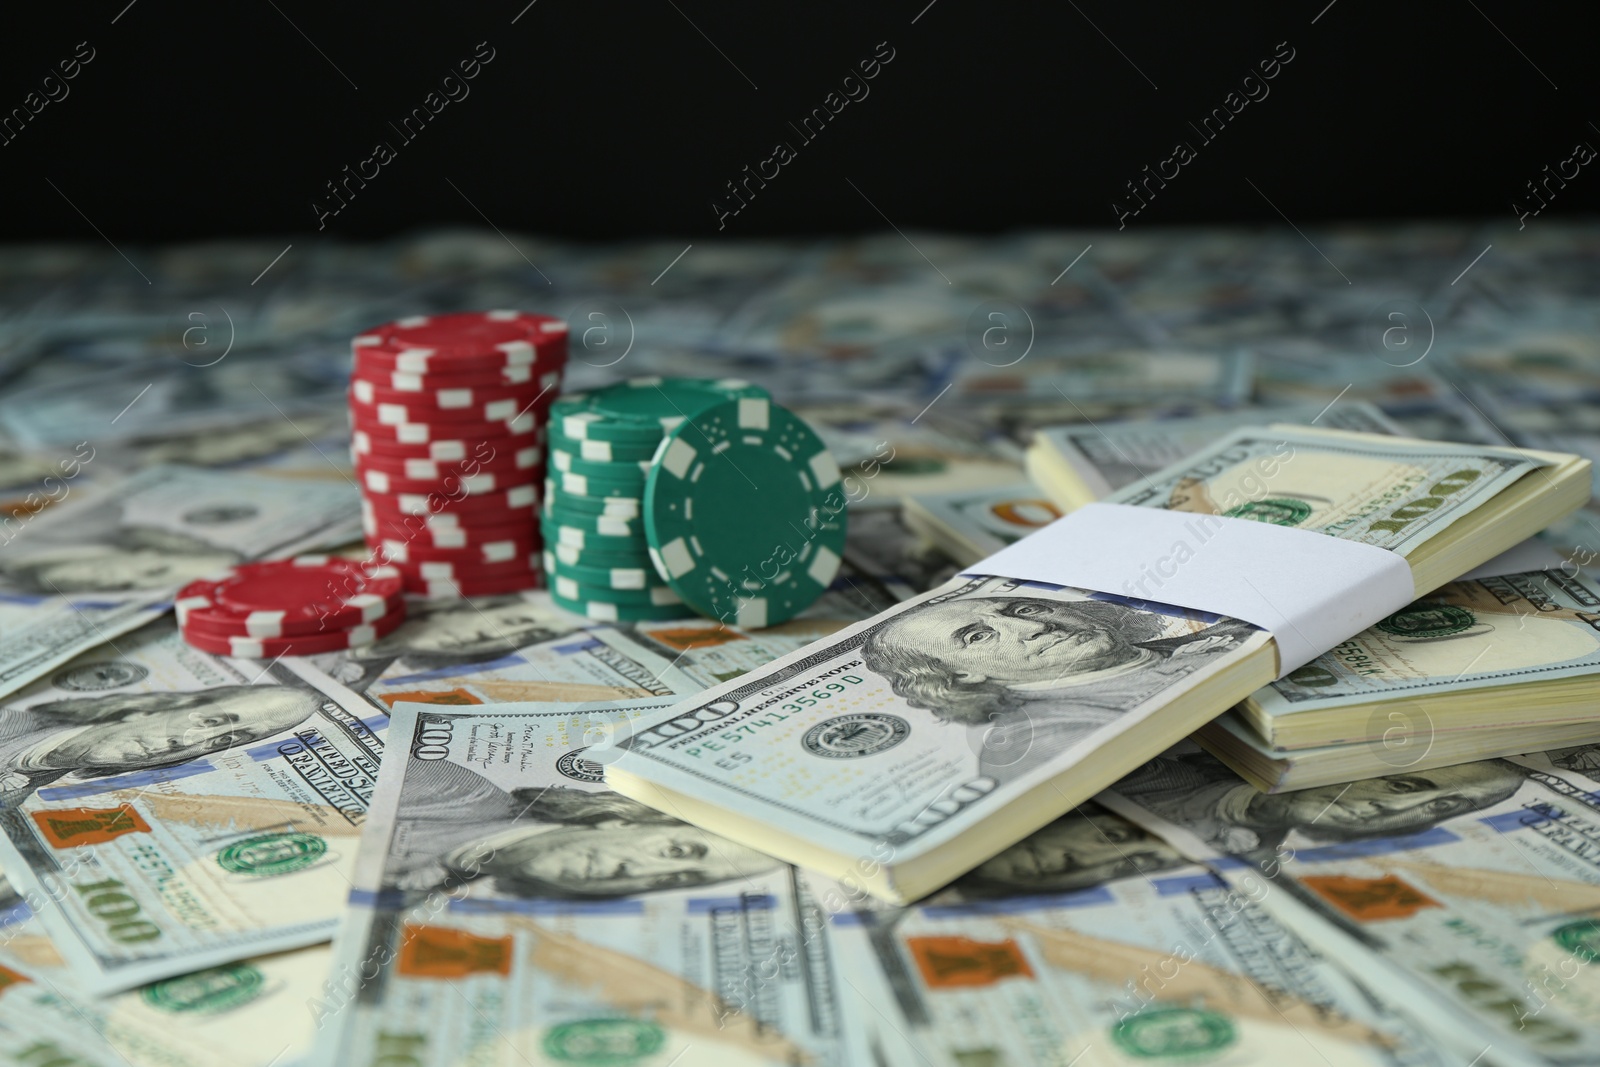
(940, 818)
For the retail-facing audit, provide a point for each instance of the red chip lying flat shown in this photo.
(307, 645)
(305, 596)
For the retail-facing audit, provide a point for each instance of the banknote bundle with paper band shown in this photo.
(908, 748)
(1502, 662)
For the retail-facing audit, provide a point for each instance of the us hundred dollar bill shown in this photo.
(1467, 892)
(509, 909)
(251, 1013)
(1093, 941)
(498, 649)
(1393, 496)
(893, 737)
(1530, 627)
(164, 810)
(970, 524)
(95, 566)
(1112, 456)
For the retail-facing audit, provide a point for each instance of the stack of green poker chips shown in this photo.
(602, 446)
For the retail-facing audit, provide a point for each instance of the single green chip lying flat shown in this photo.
(745, 513)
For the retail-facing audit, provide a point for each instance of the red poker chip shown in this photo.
(213, 626)
(513, 503)
(460, 342)
(463, 397)
(475, 525)
(504, 409)
(381, 523)
(481, 457)
(443, 450)
(401, 552)
(308, 645)
(406, 382)
(428, 531)
(305, 596)
(457, 588)
(381, 483)
(438, 569)
(423, 433)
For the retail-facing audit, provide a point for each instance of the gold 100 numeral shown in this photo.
(1453, 482)
(399, 1050)
(118, 910)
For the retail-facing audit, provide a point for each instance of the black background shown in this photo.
(621, 119)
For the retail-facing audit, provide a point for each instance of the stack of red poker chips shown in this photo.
(448, 417)
(291, 607)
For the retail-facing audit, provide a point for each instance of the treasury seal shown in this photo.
(853, 736)
(1174, 1034)
(573, 765)
(603, 1042)
(272, 854)
(1424, 621)
(112, 674)
(1280, 511)
(207, 992)
(1581, 939)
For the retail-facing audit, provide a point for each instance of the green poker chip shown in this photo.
(628, 487)
(591, 520)
(600, 451)
(619, 507)
(635, 576)
(584, 592)
(604, 555)
(584, 425)
(643, 410)
(603, 534)
(616, 470)
(745, 513)
(604, 612)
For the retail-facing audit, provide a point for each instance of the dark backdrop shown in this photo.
(604, 118)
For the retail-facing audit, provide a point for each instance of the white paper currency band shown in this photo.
(1309, 590)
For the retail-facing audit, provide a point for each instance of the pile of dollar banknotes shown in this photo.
(941, 817)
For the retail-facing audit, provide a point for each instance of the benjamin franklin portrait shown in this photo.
(549, 843)
(452, 632)
(1085, 848)
(100, 736)
(1199, 793)
(133, 559)
(1041, 673)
